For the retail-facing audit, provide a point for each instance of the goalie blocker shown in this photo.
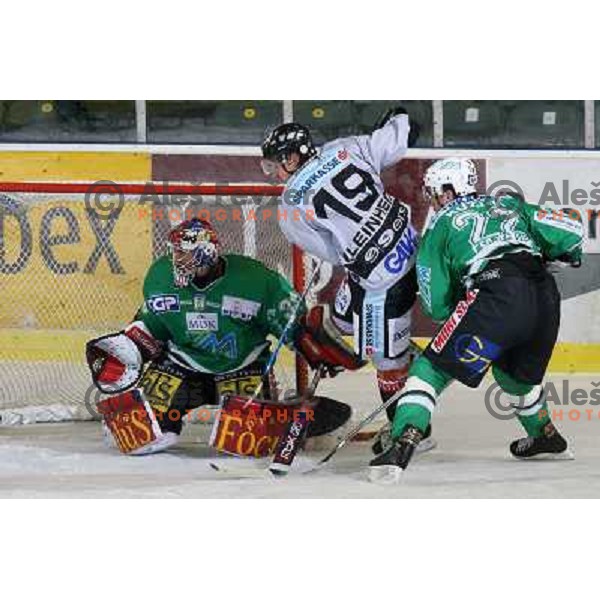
(322, 345)
(117, 362)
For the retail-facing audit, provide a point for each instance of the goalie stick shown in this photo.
(290, 442)
(282, 338)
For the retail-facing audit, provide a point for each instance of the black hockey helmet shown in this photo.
(287, 139)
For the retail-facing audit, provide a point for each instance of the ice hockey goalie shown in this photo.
(200, 338)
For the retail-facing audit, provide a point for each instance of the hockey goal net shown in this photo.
(72, 261)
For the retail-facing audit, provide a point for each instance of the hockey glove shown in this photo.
(390, 113)
(321, 344)
(116, 360)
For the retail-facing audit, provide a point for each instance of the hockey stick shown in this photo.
(262, 472)
(282, 338)
(343, 441)
(290, 442)
(292, 439)
(368, 419)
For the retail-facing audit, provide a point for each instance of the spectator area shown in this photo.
(466, 123)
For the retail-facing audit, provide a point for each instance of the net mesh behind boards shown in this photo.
(68, 273)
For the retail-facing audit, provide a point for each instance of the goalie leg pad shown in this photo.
(133, 425)
(329, 415)
(253, 428)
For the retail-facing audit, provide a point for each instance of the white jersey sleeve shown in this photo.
(301, 232)
(383, 147)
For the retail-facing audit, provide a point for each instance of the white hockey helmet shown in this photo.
(460, 173)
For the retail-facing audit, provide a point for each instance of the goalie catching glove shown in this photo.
(116, 360)
(321, 344)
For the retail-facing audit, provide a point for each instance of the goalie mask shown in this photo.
(194, 246)
(282, 142)
(457, 175)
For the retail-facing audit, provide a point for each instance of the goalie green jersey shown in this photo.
(224, 326)
(467, 233)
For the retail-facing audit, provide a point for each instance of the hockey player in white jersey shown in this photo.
(335, 207)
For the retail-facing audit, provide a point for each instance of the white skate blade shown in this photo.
(566, 455)
(385, 474)
(425, 445)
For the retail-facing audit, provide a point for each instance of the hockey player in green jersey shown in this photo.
(481, 273)
(202, 330)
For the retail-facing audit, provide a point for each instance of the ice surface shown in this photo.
(471, 460)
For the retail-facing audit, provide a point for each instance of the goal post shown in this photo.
(73, 256)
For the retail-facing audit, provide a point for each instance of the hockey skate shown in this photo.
(388, 467)
(383, 440)
(551, 445)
